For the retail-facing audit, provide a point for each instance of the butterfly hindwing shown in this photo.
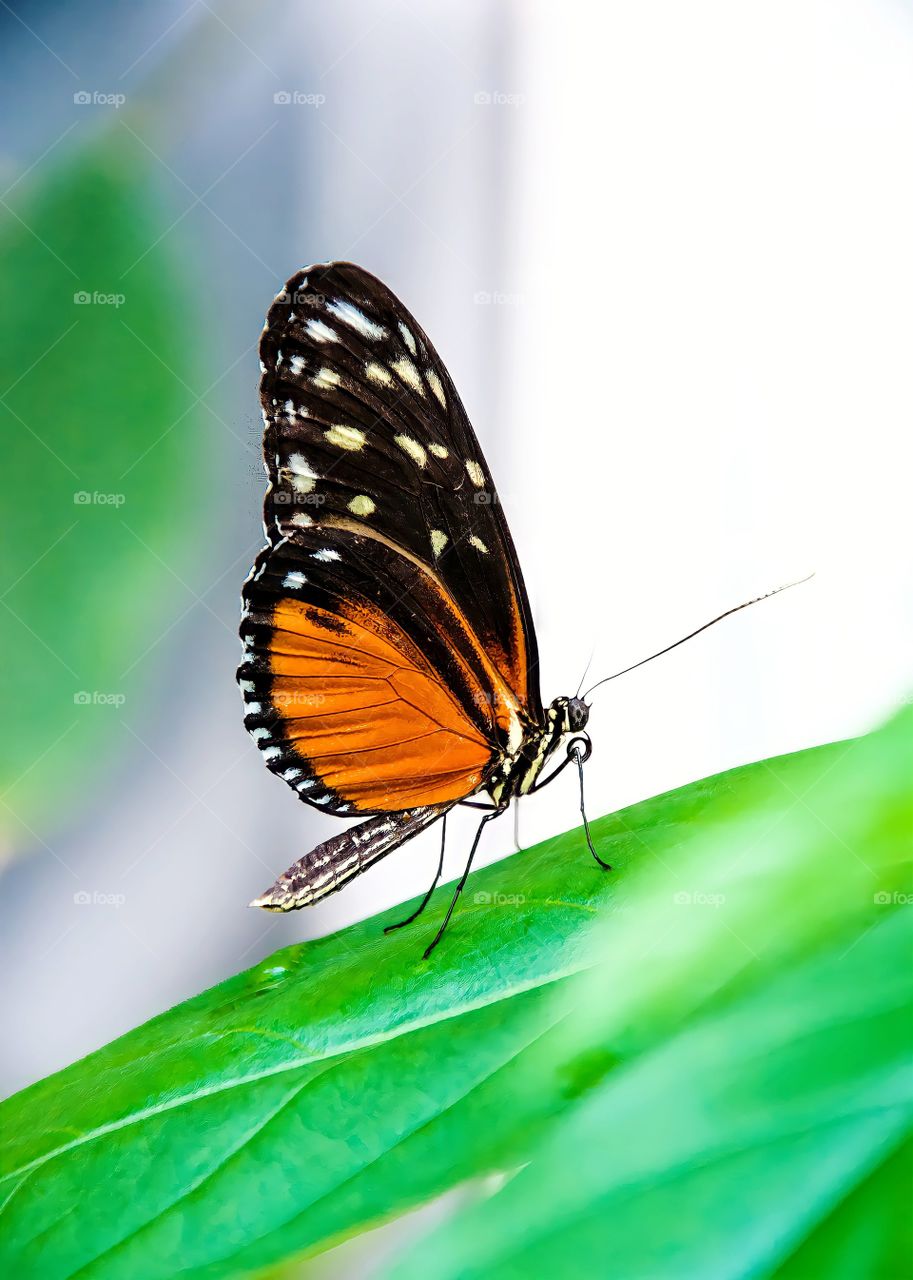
(363, 686)
(343, 857)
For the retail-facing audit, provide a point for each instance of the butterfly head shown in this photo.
(572, 714)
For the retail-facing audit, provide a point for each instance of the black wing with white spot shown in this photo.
(365, 434)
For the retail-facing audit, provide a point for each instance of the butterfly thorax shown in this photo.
(518, 772)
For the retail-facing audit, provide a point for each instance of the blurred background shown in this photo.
(665, 252)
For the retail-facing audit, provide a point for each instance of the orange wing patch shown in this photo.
(366, 713)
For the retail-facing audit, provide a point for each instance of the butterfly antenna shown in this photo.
(586, 671)
(669, 647)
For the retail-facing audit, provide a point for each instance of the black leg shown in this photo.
(459, 889)
(586, 826)
(427, 898)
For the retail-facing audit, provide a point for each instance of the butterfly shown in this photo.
(390, 666)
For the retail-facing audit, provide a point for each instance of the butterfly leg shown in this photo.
(577, 755)
(427, 898)
(463, 878)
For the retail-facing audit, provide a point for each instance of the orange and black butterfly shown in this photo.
(390, 662)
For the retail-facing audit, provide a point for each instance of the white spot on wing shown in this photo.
(321, 332)
(478, 544)
(362, 505)
(439, 451)
(302, 520)
(475, 473)
(295, 578)
(325, 553)
(296, 364)
(415, 451)
(298, 463)
(439, 541)
(434, 383)
(407, 336)
(345, 437)
(326, 378)
(379, 374)
(409, 374)
(355, 319)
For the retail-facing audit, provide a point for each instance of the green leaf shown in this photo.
(720, 1150)
(99, 458)
(761, 1039)
(344, 1081)
(868, 1233)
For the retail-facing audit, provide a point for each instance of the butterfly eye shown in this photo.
(578, 713)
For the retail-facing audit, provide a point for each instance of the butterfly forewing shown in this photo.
(389, 658)
(364, 426)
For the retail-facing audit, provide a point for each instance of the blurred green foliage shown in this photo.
(698, 1065)
(99, 464)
